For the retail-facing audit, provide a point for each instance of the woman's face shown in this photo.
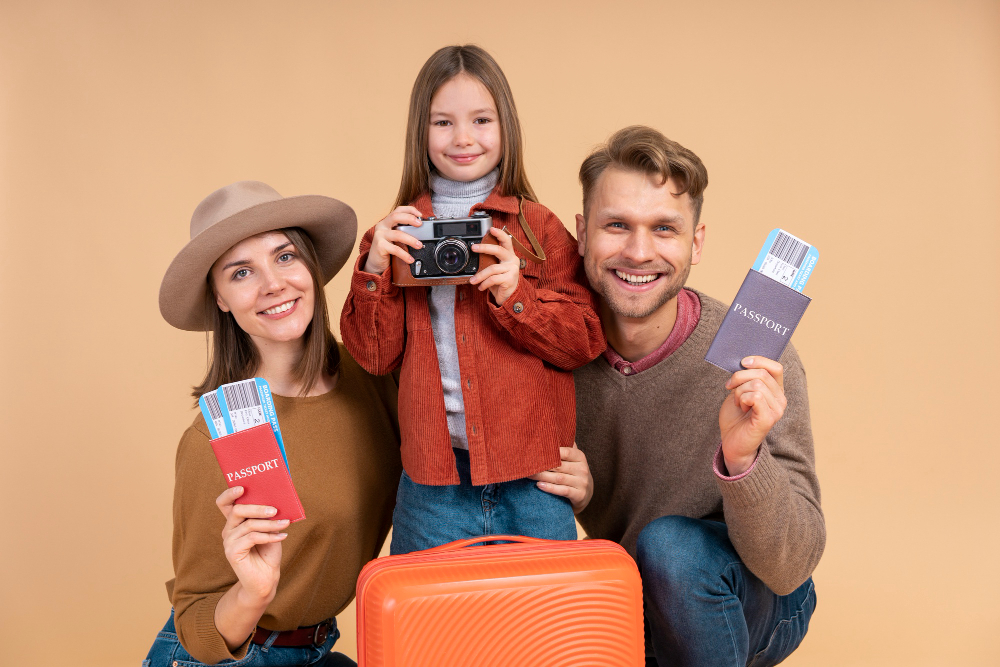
(263, 282)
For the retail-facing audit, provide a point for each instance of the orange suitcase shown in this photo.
(532, 603)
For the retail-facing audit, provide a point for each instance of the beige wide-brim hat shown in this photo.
(239, 211)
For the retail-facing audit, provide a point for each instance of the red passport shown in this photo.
(252, 459)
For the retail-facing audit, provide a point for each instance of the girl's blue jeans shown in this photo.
(429, 516)
(704, 607)
(167, 651)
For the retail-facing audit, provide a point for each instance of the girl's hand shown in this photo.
(387, 236)
(252, 543)
(755, 403)
(500, 278)
(571, 479)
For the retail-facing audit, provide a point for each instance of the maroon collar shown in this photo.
(688, 314)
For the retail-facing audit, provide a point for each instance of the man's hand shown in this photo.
(755, 403)
(571, 479)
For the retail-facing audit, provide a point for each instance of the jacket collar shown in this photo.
(494, 202)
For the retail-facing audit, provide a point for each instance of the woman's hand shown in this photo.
(252, 542)
(571, 479)
(500, 278)
(387, 236)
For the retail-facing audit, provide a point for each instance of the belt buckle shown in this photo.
(321, 633)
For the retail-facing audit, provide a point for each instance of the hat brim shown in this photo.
(331, 224)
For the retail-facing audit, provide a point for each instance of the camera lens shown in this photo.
(451, 255)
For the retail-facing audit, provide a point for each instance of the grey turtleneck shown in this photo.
(453, 199)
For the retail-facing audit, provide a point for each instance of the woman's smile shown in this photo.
(281, 310)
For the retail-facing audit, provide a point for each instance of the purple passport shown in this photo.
(760, 321)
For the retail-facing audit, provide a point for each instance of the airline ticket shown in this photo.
(238, 406)
(787, 259)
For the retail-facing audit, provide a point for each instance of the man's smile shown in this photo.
(637, 279)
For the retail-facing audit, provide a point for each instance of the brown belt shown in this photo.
(314, 635)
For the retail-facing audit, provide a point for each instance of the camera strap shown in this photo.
(539, 255)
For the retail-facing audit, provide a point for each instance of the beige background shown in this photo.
(870, 129)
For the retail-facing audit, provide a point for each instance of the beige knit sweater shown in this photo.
(651, 438)
(343, 455)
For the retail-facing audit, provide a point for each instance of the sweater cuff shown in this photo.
(518, 306)
(719, 465)
(208, 635)
(755, 485)
(371, 285)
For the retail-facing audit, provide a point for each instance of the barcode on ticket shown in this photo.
(213, 414)
(241, 404)
(787, 259)
(789, 249)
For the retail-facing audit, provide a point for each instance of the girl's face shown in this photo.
(463, 140)
(266, 287)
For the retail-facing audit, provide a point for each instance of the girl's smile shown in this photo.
(464, 139)
(464, 158)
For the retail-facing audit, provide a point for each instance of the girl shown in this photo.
(486, 393)
(253, 275)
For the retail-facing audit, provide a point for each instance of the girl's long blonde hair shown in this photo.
(445, 64)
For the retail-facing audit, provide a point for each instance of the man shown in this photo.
(706, 479)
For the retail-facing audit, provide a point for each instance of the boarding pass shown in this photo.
(787, 259)
(238, 406)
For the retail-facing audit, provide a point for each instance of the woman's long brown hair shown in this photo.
(440, 68)
(234, 356)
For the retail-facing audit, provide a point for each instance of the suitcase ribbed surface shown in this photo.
(542, 603)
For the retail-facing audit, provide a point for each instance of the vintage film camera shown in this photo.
(447, 257)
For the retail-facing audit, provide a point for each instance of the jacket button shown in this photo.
(518, 307)
(523, 263)
(371, 285)
(461, 296)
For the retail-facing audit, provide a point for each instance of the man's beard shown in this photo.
(639, 305)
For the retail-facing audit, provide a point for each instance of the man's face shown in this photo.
(638, 241)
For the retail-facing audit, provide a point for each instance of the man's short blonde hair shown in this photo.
(643, 149)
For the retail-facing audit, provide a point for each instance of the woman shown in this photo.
(253, 275)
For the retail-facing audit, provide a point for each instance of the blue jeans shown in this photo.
(428, 516)
(704, 607)
(168, 652)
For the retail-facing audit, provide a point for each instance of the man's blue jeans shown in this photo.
(704, 607)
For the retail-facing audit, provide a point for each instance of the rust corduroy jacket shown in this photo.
(515, 359)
